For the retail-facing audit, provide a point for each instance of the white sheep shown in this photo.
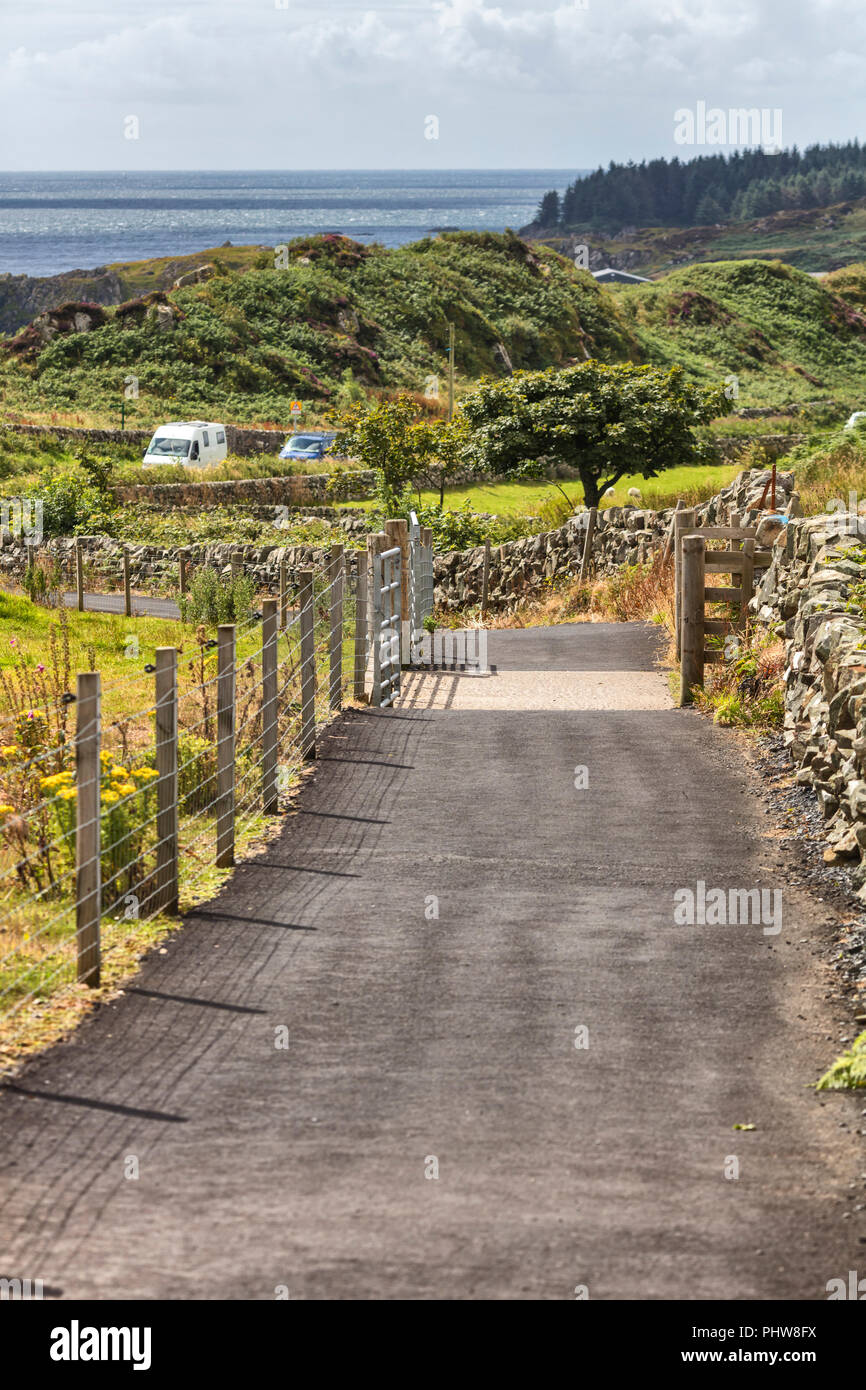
(634, 494)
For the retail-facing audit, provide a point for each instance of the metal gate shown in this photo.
(420, 589)
(387, 580)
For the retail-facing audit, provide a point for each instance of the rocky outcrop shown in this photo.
(24, 297)
(195, 277)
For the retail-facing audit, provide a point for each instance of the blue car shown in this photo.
(307, 446)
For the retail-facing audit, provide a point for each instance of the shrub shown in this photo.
(73, 504)
(212, 599)
(849, 1071)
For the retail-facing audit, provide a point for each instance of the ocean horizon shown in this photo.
(55, 222)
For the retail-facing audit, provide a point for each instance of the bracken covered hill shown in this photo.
(336, 316)
(248, 342)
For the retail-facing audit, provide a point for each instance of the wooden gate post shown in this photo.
(683, 521)
(166, 786)
(693, 550)
(270, 635)
(747, 580)
(335, 637)
(308, 665)
(225, 827)
(586, 559)
(361, 619)
(88, 864)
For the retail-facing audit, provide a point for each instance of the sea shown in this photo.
(79, 221)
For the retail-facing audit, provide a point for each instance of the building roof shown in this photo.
(611, 273)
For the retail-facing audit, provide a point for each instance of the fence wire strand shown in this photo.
(43, 952)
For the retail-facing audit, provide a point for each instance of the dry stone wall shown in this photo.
(624, 536)
(813, 596)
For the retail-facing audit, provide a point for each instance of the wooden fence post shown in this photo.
(270, 634)
(335, 637)
(166, 786)
(693, 549)
(586, 559)
(225, 826)
(127, 586)
(485, 578)
(79, 574)
(308, 665)
(237, 564)
(683, 520)
(88, 865)
(284, 593)
(360, 687)
(181, 575)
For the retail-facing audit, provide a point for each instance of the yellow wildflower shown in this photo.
(109, 798)
(57, 779)
(68, 793)
(7, 810)
(124, 788)
(10, 751)
(144, 774)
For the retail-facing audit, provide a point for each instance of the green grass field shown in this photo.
(516, 499)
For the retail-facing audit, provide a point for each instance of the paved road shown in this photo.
(142, 605)
(414, 1037)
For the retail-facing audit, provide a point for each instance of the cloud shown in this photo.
(206, 75)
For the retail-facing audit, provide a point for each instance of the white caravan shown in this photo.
(194, 443)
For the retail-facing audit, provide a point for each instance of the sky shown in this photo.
(316, 84)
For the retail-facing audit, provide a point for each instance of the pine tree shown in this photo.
(548, 210)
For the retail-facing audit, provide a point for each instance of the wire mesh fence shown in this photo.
(126, 818)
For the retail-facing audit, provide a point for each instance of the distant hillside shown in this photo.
(785, 335)
(339, 316)
(342, 318)
(709, 188)
(22, 297)
(814, 239)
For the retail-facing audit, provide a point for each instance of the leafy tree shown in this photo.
(442, 446)
(604, 421)
(386, 437)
